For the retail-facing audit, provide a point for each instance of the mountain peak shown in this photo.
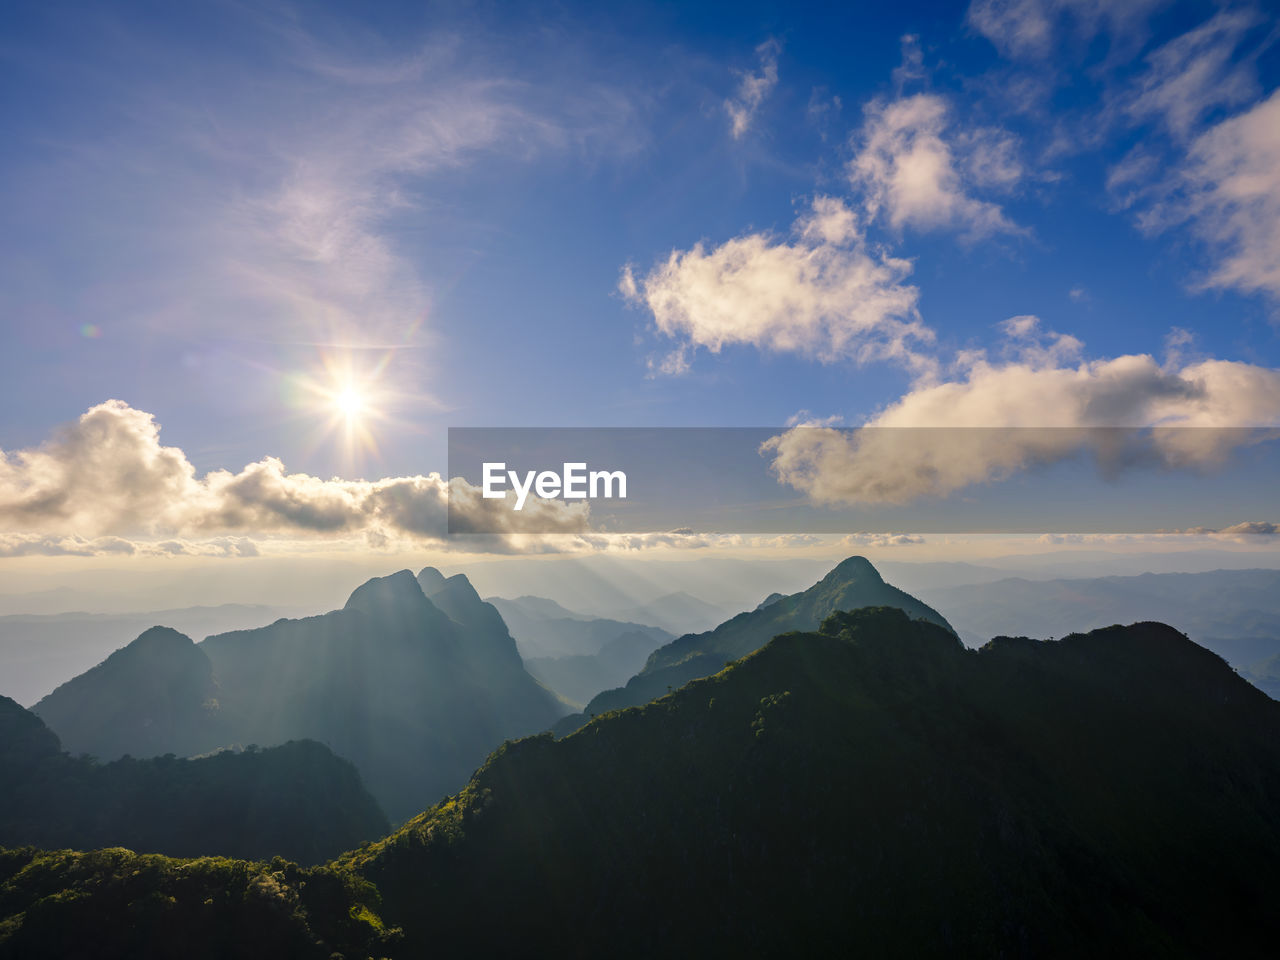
(431, 580)
(855, 568)
(461, 587)
(157, 639)
(382, 592)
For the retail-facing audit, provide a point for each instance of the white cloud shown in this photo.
(753, 88)
(1229, 189)
(1194, 73)
(1241, 532)
(1027, 29)
(913, 169)
(823, 292)
(1039, 404)
(882, 540)
(108, 476)
(911, 69)
(46, 545)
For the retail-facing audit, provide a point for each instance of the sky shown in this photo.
(256, 259)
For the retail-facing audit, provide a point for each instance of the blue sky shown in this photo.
(325, 233)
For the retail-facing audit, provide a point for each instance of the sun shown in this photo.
(350, 403)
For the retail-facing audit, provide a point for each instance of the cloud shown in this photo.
(44, 545)
(1195, 73)
(295, 197)
(753, 88)
(1028, 29)
(911, 168)
(1039, 403)
(1241, 532)
(911, 69)
(1229, 189)
(882, 540)
(822, 292)
(36, 545)
(107, 475)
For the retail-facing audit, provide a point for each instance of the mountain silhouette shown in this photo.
(851, 584)
(297, 800)
(874, 788)
(155, 696)
(869, 788)
(414, 696)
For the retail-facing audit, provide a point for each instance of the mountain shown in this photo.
(545, 630)
(1265, 675)
(528, 608)
(874, 788)
(155, 696)
(297, 800)
(1235, 613)
(853, 583)
(414, 696)
(770, 600)
(676, 612)
(38, 652)
(115, 904)
(868, 788)
(579, 678)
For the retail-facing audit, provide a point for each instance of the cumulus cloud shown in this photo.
(108, 476)
(753, 88)
(1038, 403)
(914, 169)
(822, 292)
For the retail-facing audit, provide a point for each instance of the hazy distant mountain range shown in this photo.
(38, 652)
(572, 653)
(871, 788)
(414, 691)
(296, 800)
(1235, 613)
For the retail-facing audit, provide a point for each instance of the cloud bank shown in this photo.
(1040, 403)
(107, 476)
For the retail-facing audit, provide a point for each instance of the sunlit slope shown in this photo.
(875, 788)
(851, 584)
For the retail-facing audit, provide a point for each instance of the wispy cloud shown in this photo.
(1191, 75)
(753, 87)
(1027, 29)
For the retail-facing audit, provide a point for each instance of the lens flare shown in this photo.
(346, 395)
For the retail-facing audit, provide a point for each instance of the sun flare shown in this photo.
(351, 403)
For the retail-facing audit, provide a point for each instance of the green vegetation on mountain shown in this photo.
(415, 692)
(296, 800)
(872, 788)
(876, 789)
(853, 583)
(118, 905)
